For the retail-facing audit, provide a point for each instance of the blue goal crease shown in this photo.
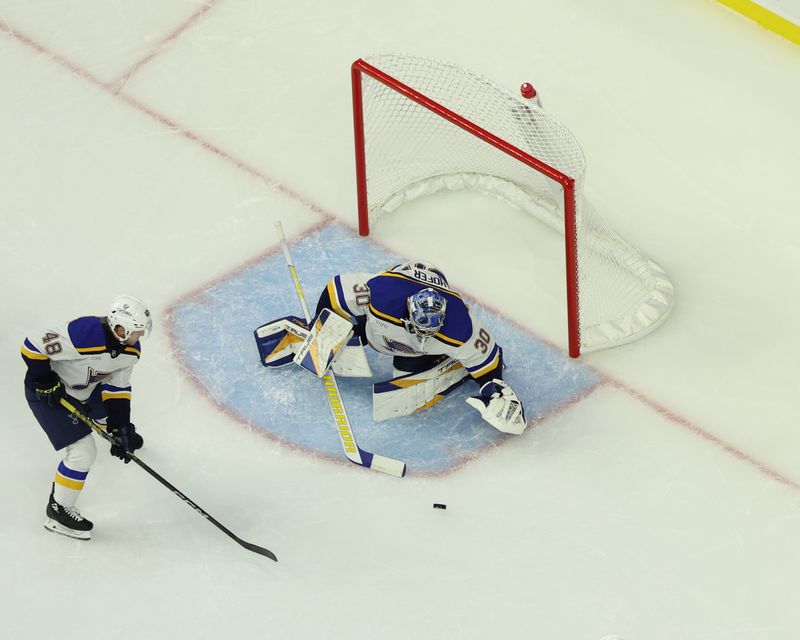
(213, 330)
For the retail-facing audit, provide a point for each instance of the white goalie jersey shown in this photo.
(381, 299)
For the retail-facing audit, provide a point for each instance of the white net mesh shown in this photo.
(412, 151)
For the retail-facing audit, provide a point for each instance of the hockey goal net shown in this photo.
(422, 125)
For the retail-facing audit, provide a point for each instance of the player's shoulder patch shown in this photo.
(87, 334)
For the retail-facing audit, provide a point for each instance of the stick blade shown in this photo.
(259, 550)
(390, 466)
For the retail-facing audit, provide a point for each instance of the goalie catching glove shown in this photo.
(500, 407)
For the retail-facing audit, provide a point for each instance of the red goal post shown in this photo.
(421, 125)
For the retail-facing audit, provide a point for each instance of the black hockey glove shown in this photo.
(49, 390)
(135, 441)
(124, 437)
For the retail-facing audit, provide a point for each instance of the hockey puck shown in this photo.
(436, 505)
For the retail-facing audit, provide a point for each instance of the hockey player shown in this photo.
(411, 313)
(89, 362)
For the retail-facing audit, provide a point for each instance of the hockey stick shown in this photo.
(353, 452)
(247, 545)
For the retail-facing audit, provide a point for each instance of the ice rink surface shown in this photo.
(149, 147)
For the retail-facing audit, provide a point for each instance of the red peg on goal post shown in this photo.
(527, 90)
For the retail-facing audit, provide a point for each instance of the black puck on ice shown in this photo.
(436, 505)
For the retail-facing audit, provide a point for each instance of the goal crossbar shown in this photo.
(614, 294)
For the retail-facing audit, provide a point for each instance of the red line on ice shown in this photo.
(170, 37)
(327, 215)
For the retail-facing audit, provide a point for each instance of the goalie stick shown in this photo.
(353, 452)
(247, 545)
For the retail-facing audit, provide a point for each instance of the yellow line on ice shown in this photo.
(766, 18)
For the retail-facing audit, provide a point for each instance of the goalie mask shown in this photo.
(426, 310)
(131, 314)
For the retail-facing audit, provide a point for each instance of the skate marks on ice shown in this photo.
(212, 333)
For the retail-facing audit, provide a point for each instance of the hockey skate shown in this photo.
(66, 520)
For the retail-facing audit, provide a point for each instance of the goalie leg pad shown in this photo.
(328, 334)
(412, 392)
(351, 360)
(404, 365)
(278, 341)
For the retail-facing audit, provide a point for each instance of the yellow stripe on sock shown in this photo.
(69, 483)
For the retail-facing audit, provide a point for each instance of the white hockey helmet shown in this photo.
(131, 314)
